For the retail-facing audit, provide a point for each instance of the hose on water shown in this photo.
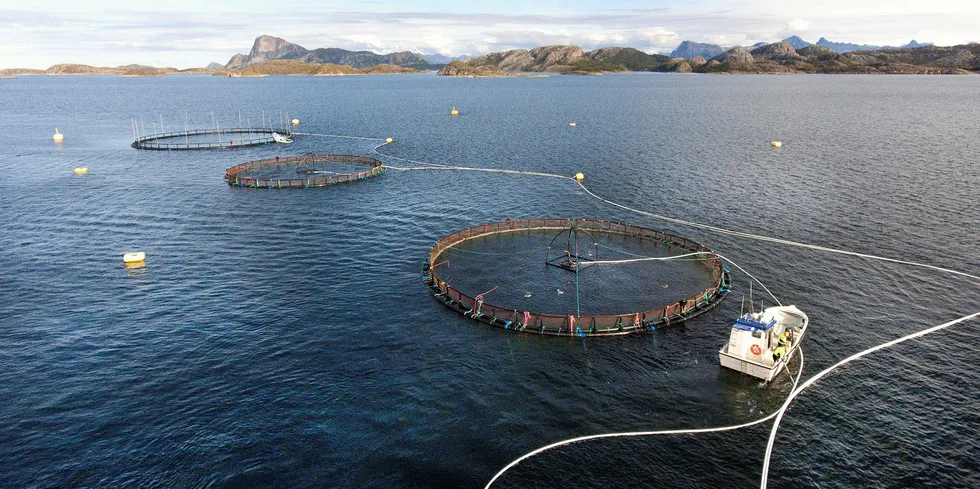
(779, 414)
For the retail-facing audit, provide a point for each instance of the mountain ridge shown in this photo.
(780, 57)
(270, 48)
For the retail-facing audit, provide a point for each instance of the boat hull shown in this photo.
(754, 369)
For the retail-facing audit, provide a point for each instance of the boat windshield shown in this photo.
(747, 323)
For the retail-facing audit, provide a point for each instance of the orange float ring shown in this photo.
(756, 350)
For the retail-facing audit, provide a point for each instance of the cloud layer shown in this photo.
(38, 39)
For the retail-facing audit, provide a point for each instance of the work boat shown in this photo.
(762, 343)
(281, 139)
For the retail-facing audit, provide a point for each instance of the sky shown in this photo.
(186, 34)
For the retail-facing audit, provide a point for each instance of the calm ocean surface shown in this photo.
(284, 338)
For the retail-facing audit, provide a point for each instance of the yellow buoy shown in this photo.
(81, 171)
(454, 111)
(58, 137)
(776, 144)
(579, 177)
(295, 122)
(388, 140)
(134, 257)
(571, 124)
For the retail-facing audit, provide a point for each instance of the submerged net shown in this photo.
(303, 171)
(574, 277)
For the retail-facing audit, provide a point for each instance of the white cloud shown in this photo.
(183, 39)
(798, 26)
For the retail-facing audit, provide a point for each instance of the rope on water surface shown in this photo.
(774, 240)
(708, 227)
(645, 258)
(336, 136)
(796, 391)
(643, 433)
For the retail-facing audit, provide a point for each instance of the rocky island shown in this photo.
(780, 57)
(271, 56)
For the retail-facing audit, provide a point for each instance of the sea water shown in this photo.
(285, 338)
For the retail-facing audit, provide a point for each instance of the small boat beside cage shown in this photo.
(281, 139)
(761, 344)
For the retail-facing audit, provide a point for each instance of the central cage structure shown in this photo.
(571, 324)
(244, 175)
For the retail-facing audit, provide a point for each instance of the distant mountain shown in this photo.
(796, 42)
(268, 48)
(914, 44)
(781, 57)
(844, 47)
(631, 59)
(556, 59)
(690, 49)
(215, 66)
(438, 59)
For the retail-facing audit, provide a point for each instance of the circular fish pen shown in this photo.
(304, 171)
(200, 139)
(574, 277)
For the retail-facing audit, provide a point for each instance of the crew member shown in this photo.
(778, 353)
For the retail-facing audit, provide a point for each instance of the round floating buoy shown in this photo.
(454, 111)
(58, 137)
(579, 177)
(134, 257)
(776, 144)
(295, 122)
(571, 124)
(388, 140)
(81, 171)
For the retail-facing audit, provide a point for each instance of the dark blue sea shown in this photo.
(285, 339)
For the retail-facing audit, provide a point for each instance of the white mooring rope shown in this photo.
(811, 380)
(643, 433)
(796, 390)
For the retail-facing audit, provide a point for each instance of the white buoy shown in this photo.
(134, 257)
(388, 140)
(776, 144)
(295, 122)
(571, 124)
(58, 137)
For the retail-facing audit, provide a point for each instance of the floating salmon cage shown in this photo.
(202, 139)
(574, 277)
(306, 171)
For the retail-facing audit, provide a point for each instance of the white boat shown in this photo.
(756, 335)
(281, 139)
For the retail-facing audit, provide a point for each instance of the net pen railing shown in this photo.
(256, 136)
(575, 325)
(239, 175)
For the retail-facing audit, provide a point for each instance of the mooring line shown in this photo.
(812, 380)
(774, 240)
(752, 277)
(758, 237)
(795, 391)
(337, 136)
(644, 433)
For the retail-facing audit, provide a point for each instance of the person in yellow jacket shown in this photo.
(778, 353)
